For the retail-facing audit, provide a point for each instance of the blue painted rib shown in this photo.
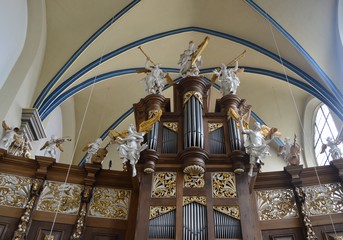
(338, 111)
(320, 89)
(307, 56)
(80, 50)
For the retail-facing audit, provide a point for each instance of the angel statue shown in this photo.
(228, 79)
(290, 152)
(190, 60)
(92, 149)
(130, 146)
(8, 135)
(51, 145)
(335, 152)
(256, 143)
(154, 80)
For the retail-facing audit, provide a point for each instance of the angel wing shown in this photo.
(114, 134)
(45, 145)
(5, 126)
(85, 148)
(324, 146)
(268, 132)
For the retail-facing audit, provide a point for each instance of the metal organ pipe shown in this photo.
(152, 136)
(193, 123)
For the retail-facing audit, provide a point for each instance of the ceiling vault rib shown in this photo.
(61, 88)
(89, 41)
(307, 56)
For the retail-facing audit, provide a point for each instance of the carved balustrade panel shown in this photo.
(156, 211)
(110, 203)
(14, 190)
(232, 211)
(276, 204)
(62, 197)
(324, 199)
(164, 185)
(224, 185)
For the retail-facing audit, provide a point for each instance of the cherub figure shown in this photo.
(130, 146)
(52, 145)
(16, 147)
(228, 79)
(256, 143)
(290, 152)
(92, 149)
(8, 135)
(335, 152)
(154, 80)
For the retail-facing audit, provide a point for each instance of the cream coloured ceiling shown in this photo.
(81, 47)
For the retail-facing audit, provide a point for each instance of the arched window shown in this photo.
(326, 125)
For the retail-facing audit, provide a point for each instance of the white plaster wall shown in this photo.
(13, 27)
(17, 92)
(68, 118)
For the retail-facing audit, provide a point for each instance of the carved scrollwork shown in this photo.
(214, 126)
(232, 211)
(156, 211)
(173, 126)
(189, 94)
(276, 204)
(194, 181)
(64, 197)
(324, 199)
(14, 190)
(190, 199)
(224, 185)
(110, 203)
(164, 185)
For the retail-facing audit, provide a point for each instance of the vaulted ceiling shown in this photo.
(293, 54)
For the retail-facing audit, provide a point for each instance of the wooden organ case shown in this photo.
(188, 185)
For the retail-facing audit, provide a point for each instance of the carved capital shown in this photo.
(92, 170)
(338, 164)
(149, 157)
(194, 159)
(44, 163)
(294, 172)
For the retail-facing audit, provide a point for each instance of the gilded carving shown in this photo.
(276, 204)
(189, 94)
(80, 223)
(194, 181)
(190, 199)
(164, 185)
(224, 185)
(300, 195)
(49, 237)
(232, 211)
(214, 126)
(194, 170)
(110, 203)
(156, 211)
(14, 190)
(173, 126)
(338, 238)
(62, 197)
(324, 199)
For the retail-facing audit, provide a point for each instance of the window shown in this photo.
(325, 126)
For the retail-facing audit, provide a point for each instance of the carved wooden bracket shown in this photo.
(294, 172)
(44, 163)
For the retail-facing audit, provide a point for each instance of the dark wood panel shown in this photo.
(40, 229)
(103, 234)
(7, 227)
(291, 234)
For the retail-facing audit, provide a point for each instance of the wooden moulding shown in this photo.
(194, 156)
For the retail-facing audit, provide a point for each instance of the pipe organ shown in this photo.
(192, 183)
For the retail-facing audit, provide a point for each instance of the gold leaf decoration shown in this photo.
(164, 185)
(110, 203)
(224, 185)
(156, 211)
(276, 204)
(14, 190)
(65, 197)
(194, 181)
(190, 199)
(232, 211)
